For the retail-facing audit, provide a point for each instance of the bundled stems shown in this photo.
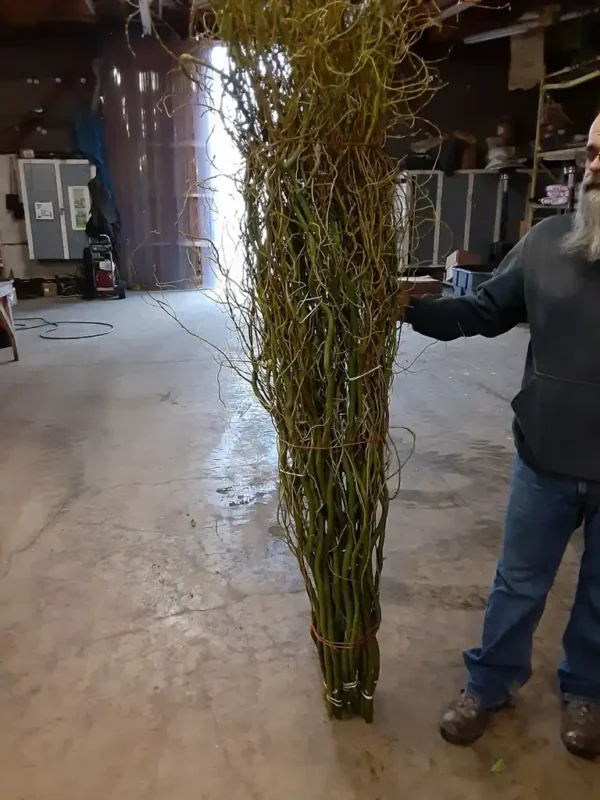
(317, 86)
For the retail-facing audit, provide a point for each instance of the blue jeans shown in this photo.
(543, 512)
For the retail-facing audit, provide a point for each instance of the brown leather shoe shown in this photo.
(580, 728)
(465, 720)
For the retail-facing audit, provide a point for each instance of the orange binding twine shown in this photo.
(345, 645)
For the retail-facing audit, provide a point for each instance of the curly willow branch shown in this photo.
(315, 88)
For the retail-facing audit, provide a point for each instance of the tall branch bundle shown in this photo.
(316, 87)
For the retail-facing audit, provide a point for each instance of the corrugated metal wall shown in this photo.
(155, 149)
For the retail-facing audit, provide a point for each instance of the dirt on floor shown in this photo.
(154, 640)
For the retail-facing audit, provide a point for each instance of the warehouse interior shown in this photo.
(154, 628)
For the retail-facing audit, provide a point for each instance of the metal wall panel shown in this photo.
(39, 186)
(461, 211)
(453, 215)
(424, 226)
(518, 191)
(73, 175)
(483, 213)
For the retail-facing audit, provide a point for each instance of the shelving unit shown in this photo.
(566, 154)
(567, 158)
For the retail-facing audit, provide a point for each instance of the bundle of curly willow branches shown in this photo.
(316, 86)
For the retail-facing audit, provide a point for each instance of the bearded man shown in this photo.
(551, 280)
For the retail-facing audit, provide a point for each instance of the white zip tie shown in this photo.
(334, 701)
(347, 687)
(370, 696)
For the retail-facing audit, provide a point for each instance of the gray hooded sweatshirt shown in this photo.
(557, 411)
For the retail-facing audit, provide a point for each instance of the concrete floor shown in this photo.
(153, 629)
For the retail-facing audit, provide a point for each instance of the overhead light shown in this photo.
(528, 25)
(145, 17)
(577, 14)
(502, 33)
(456, 9)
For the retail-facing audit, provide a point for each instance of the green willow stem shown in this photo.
(316, 86)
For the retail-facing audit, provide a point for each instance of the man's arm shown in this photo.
(497, 307)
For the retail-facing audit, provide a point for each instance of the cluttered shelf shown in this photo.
(559, 153)
(574, 75)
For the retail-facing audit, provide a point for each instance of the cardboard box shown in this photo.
(524, 227)
(463, 258)
(421, 285)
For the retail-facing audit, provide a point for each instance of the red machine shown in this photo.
(101, 276)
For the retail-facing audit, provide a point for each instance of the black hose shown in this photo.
(21, 325)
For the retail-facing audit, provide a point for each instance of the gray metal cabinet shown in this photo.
(461, 211)
(57, 205)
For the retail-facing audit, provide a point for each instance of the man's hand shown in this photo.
(410, 288)
(401, 300)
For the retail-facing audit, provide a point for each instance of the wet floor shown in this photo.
(153, 627)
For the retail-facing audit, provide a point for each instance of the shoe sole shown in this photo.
(587, 755)
(459, 741)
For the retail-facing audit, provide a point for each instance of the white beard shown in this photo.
(584, 237)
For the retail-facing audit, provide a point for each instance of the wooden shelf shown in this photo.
(566, 154)
(546, 207)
